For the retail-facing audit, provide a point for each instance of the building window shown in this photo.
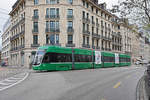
(84, 40)
(96, 11)
(35, 26)
(92, 8)
(54, 39)
(70, 1)
(36, 2)
(70, 24)
(87, 5)
(35, 39)
(36, 12)
(52, 12)
(83, 14)
(70, 39)
(47, 11)
(87, 40)
(57, 38)
(52, 1)
(92, 30)
(52, 25)
(87, 27)
(47, 24)
(83, 3)
(96, 30)
(83, 27)
(47, 39)
(70, 12)
(92, 42)
(97, 43)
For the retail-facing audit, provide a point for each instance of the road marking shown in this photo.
(128, 76)
(8, 80)
(19, 81)
(117, 85)
(1, 83)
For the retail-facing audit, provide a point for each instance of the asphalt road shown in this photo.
(90, 84)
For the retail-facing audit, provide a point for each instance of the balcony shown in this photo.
(102, 26)
(22, 32)
(94, 35)
(22, 46)
(70, 30)
(86, 32)
(86, 45)
(35, 45)
(52, 30)
(106, 38)
(93, 23)
(106, 28)
(93, 47)
(97, 24)
(16, 25)
(70, 45)
(35, 18)
(103, 48)
(70, 17)
(35, 31)
(56, 44)
(86, 20)
(97, 47)
(14, 49)
(14, 37)
(55, 17)
(109, 29)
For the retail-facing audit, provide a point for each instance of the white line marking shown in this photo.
(14, 78)
(27, 74)
(2, 83)
(8, 80)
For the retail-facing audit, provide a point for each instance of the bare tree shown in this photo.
(137, 11)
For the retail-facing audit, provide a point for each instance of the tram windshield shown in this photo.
(38, 57)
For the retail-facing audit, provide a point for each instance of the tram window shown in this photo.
(83, 58)
(46, 59)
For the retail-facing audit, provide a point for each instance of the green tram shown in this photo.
(57, 58)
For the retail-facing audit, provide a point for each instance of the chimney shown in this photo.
(95, 1)
(103, 5)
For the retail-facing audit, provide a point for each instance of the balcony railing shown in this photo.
(55, 44)
(35, 45)
(86, 32)
(35, 17)
(35, 31)
(52, 16)
(95, 35)
(70, 45)
(97, 24)
(70, 30)
(86, 45)
(47, 30)
(102, 26)
(15, 25)
(93, 23)
(70, 17)
(86, 20)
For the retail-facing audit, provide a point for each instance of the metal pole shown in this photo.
(73, 59)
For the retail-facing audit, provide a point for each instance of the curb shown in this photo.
(141, 90)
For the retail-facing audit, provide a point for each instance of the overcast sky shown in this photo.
(5, 8)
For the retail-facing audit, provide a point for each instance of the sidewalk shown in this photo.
(9, 71)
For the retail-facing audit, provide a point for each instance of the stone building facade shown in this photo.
(5, 53)
(67, 23)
